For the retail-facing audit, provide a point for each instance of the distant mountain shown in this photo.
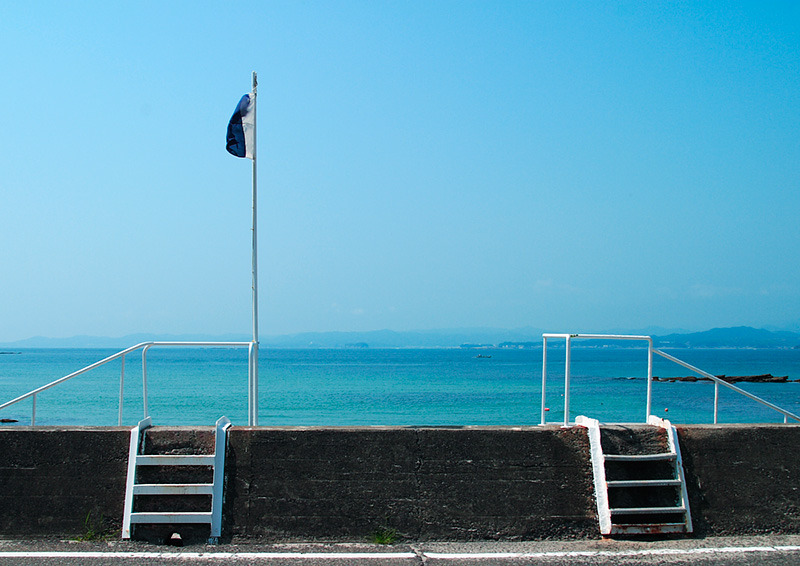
(738, 337)
(448, 338)
(119, 342)
(372, 339)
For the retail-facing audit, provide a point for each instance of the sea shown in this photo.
(390, 387)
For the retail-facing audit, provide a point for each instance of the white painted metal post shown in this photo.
(252, 391)
(33, 413)
(254, 366)
(144, 381)
(566, 382)
(544, 376)
(250, 383)
(121, 390)
(255, 385)
(649, 378)
(716, 401)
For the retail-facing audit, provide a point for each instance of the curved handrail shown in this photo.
(144, 346)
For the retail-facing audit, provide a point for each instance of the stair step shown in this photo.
(174, 460)
(647, 528)
(170, 518)
(639, 457)
(179, 440)
(646, 510)
(644, 483)
(633, 439)
(173, 489)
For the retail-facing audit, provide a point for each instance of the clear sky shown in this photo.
(573, 166)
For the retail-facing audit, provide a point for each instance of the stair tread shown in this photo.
(648, 528)
(648, 524)
(173, 489)
(639, 457)
(171, 517)
(646, 510)
(644, 483)
(174, 460)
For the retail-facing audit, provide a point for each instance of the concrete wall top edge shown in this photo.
(28, 428)
(552, 426)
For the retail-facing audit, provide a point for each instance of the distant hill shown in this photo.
(448, 338)
(118, 342)
(738, 337)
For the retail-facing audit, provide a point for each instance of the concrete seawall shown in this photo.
(470, 483)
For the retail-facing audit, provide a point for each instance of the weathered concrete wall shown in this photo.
(743, 479)
(52, 478)
(428, 483)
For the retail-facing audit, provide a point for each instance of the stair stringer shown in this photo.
(598, 471)
(675, 447)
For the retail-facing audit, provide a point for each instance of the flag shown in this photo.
(241, 128)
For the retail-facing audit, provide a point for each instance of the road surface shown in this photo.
(729, 551)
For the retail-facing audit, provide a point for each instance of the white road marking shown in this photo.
(611, 553)
(212, 555)
(400, 555)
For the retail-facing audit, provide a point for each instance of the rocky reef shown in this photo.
(763, 378)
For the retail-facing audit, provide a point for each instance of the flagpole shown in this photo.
(254, 385)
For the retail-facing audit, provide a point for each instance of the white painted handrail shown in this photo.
(650, 351)
(252, 397)
(717, 382)
(567, 364)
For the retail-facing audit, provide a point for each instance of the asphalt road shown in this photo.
(733, 551)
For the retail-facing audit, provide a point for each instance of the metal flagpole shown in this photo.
(254, 380)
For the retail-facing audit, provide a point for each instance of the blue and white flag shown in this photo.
(242, 128)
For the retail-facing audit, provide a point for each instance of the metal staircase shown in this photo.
(145, 475)
(640, 486)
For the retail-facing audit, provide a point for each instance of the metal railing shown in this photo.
(252, 373)
(650, 351)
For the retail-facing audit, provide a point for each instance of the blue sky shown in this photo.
(573, 166)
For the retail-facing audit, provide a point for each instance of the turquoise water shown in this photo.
(449, 387)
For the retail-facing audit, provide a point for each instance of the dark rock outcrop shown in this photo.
(763, 378)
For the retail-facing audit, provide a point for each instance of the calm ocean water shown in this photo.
(448, 387)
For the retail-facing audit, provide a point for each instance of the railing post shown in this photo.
(121, 389)
(255, 384)
(566, 382)
(649, 378)
(252, 388)
(144, 381)
(250, 384)
(33, 413)
(716, 401)
(544, 375)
